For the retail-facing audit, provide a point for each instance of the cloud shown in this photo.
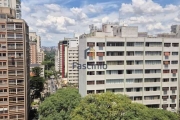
(53, 7)
(54, 21)
(145, 7)
(140, 20)
(55, 24)
(80, 15)
(156, 26)
(25, 8)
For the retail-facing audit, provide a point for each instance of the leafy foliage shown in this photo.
(37, 83)
(37, 71)
(60, 105)
(109, 106)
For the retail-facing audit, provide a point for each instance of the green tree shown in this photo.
(37, 83)
(37, 71)
(59, 105)
(109, 106)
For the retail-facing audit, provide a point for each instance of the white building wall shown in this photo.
(82, 72)
(139, 69)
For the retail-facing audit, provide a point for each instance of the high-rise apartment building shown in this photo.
(14, 67)
(68, 54)
(35, 38)
(57, 60)
(37, 54)
(13, 4)
(33, 52)
(145, 68)
(40, 56)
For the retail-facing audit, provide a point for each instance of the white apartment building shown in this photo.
(144, 68)
(57, 60)
(68, 53)
(14, 4)
(73, 73)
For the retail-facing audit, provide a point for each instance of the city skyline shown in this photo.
(57, 19)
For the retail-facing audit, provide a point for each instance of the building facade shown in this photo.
(33, 52)
(14, 67)
(57, 60)
(40, 56)
(68, 54)
(13, 4)
(118, 60)
(38, 52)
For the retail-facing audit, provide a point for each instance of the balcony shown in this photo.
(3, 75)
(3, 58)
(3, 93)
(19, 47)
(2, 49)
(4, 103)
(3, 67)
(11, 47)
(3, 85)
(2, 39)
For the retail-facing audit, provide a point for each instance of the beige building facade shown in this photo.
(14, 67)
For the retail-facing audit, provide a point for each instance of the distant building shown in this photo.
(33, 52)
(68, 54)
(37, 54)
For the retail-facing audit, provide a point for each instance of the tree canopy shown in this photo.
(109, 106)
(60, 105)
(37, 71)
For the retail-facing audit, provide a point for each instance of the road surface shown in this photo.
(51, 86)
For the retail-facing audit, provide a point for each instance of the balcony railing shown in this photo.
(3, 102)
(11, 47)
(2, 49)
(3, 58)
(3, 67)
(3, 93)
(3, 75)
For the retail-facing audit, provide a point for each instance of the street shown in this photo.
(51, 86)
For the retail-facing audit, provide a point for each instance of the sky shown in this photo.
(55, 19)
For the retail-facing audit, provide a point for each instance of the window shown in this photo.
(130, 43)
(153, 53)
(115, 43)
(175, 44)
(174, 62)
(173, 79)
(100, 44)
(90, 73)
(165, 71)
(167, 44)
(174, 53)
(153, 44)
(114, 81)
(98, 82)
(139, 53)
(129, 81)
(166, 80)
(153, 62)
(90, 82)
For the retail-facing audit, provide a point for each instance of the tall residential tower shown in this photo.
(14, 66)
